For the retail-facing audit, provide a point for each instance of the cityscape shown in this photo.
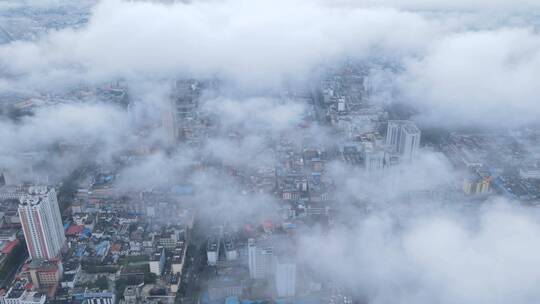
(269, 152)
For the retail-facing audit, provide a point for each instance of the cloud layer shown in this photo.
(440, 256)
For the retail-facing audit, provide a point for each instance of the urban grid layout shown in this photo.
(269, 151)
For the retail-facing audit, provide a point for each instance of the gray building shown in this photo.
(403, 139)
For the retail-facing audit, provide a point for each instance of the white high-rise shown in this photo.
(180, 114)
(42, 224)
(374, 159)
(261, 257)
(403, 138)
(285, 277)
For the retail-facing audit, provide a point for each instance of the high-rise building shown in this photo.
(212, 250)
(261, 257)
(179, 117)
(231, 253)
(285, 277)
(42, 223)
(403, 138)
(157, 261)
(374, 159)
(477, 185)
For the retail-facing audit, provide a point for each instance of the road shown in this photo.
(195, 261)
(8, 280)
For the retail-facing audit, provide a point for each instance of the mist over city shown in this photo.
(269, 152)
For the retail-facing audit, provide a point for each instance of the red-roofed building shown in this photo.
(75, 230)
(43, 273)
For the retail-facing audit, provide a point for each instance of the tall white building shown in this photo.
(403, 138)
(42, 224)
(157, 261)
(180, 114)
(212, 250)
(261, 259)
(285, 277)
(374, 159)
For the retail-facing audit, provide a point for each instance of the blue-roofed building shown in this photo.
(102, 248)
(232, 300)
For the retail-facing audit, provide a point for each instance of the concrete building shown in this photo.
(22, 296)
(285, 277)
(212, 250)
(42, 223)
(231, 253)
(179, 255)
(181, 113)
(103, 297)
(261, 259)
(157, 261)
(132, 294)
(477, 185)
(374, 159)
(223, 287)
(43, 273)
(403, 138)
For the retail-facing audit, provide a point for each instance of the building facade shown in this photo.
(403, 138)
(260, 257)
(285, 277)
(41, 222)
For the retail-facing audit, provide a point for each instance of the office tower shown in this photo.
(231, 253)
(181, 113)
(393, 133)
(374, 159)
(477, 185)
(157, 261)
(212, 250)
(42, 223)
(403, 138)
(285, 277)
(260, 259)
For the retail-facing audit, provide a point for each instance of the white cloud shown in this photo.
(485, 78)
(485, 256)
(252, 43)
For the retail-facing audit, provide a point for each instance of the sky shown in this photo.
(458, 63)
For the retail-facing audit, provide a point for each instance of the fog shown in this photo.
(435, 256)
(458, 64)
(469, 78)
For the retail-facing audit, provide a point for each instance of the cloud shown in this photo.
(56, 139)
(455, 68)
(69, 123)
(484, 78)
(431, 171)
(257, 114)
(437, 5)
(257, 44)
(441, 256)
(156, 171)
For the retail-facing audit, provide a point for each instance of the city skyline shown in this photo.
(269, 151)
